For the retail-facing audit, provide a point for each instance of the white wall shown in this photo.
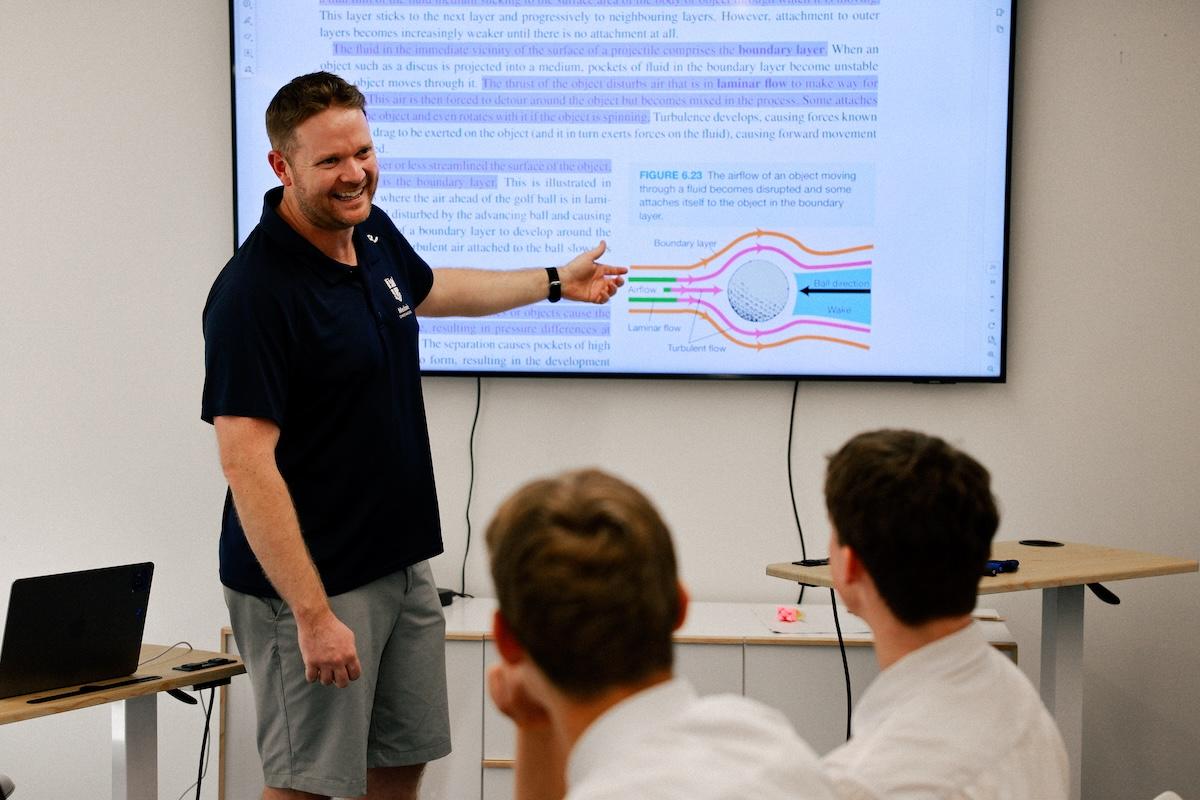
(116, 217)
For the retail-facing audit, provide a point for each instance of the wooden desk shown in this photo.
(1061, 573)
(135, 717)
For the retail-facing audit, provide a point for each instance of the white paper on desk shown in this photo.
(818, 621)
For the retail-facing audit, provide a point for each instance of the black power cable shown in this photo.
(792, 483)
(205, 750)
(462, 592)
(804, 556)
(845, 664)
(203, 768)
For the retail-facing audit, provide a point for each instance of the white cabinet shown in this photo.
(450, 777)
(712, 668)
(808, 685)
(723, 648)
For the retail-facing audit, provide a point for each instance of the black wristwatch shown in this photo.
(555, 284)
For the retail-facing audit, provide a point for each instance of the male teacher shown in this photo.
(312, 381)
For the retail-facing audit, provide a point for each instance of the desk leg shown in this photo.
(1062, 671)
(135, 748)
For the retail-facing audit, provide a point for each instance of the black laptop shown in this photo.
(74, 628)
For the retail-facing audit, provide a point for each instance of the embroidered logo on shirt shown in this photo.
(372, 238)
(403, 308)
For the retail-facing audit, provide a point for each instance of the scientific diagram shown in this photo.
(764, 289)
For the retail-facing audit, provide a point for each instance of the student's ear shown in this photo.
(506, 641)
(845, 567)
(683, 606)
(852, 566)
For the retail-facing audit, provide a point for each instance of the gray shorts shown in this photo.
(322, 739)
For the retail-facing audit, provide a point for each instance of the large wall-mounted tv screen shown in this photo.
(799, 189)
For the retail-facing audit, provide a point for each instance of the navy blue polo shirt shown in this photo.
(329, 354)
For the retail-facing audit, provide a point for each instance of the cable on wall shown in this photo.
(845, 664)
(804, 555)
(792, 483)
(462, 592)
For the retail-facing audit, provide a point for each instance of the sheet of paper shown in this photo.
(817, 621)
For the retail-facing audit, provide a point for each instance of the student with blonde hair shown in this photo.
(588, 599)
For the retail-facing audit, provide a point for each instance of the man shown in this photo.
(948, 717)
(313, 385)
(588, 598)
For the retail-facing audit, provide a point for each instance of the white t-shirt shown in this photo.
(666, 743)
(955, 720)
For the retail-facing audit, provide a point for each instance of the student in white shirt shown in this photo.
(948, 718)
(588, 599)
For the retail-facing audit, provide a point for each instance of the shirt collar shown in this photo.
(957, 653)
(624, 723)
(279, 230)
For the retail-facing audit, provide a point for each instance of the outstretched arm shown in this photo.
(464, 292)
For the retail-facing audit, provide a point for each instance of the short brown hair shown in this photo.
(304, 97)
(921, 516)
(586, 579)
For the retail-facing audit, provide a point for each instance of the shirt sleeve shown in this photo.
(247, 347)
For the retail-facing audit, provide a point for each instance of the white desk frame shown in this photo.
(135, 748)
(1061, 684)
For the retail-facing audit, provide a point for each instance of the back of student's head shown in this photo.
(920, 515)
(585, 577)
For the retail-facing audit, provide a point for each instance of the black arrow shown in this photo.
(807, 290)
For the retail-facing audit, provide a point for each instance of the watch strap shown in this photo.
(555, 284)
